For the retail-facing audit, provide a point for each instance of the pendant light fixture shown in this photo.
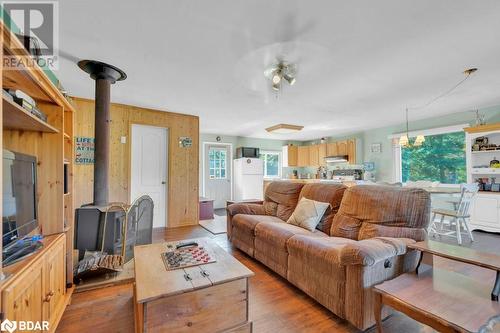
(404, 140)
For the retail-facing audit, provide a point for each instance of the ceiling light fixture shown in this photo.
(284, 129)
(404, 140)
(280, 71)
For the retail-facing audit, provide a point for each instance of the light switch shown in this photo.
(123, 139)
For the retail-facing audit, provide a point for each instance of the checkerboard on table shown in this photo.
(186, 257)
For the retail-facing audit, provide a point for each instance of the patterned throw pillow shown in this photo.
(308, 213)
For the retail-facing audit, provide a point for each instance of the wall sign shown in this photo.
(185, 142)
(84, 150)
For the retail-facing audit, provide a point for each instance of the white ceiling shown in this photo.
(359, 62)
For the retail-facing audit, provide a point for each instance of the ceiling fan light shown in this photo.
(276, 78)
(289, 79)
(276, 86)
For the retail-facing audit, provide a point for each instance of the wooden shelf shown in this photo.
(485, 171)
(17, 118)
(32, 80)
(485, 152)
(67, 136)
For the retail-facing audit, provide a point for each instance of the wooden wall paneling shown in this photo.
(182, 195)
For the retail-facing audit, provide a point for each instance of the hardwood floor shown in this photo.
(276, 306)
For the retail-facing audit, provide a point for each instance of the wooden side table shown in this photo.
(444, 300)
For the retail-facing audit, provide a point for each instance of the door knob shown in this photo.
(163, 182)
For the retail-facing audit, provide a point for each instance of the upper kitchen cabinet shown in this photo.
(351, 151)
(314, 155)
(342, 147)
(303, 156)
(289, 156)
(331, 149)
(322, 153)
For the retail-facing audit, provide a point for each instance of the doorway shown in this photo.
(149, 156)
(217, 172)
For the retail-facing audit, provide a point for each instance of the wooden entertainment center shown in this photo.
(39, 287)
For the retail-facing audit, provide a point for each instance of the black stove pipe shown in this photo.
(104, 75)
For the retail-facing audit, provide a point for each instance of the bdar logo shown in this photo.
(8, 326)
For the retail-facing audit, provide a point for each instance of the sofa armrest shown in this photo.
(368, 252)
(254, 208)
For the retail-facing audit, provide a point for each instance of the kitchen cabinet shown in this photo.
(342, 147)
(322, 154)
(314, 155)
(38, 293)
(351, 151)
(331, 149)
(485, 208)
(485, 212)
(23, 299)
(303, 156)
(289, 156)
(55, 283)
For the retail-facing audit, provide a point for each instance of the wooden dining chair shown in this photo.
(458, 217)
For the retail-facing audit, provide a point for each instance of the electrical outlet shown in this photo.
(123, 139)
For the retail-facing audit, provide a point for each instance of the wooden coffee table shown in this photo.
(207, 298)
(445, 300)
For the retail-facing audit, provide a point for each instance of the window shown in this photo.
(217, 162)
(272, 163)
(441, 158)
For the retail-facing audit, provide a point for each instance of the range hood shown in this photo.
(337, 159)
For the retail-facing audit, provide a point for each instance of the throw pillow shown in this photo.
(308, 213)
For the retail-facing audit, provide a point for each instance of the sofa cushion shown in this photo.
(280, 233)
(331, 193)
(389, 206)
(281, 198)
(308, 213)
(321, 251)
(249, 222)
(371, 230)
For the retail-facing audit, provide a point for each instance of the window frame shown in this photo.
(219, 168)
(271, 152)
(397, 152)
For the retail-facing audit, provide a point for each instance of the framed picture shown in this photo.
(376, 148)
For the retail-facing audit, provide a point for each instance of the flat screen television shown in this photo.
(19, 196)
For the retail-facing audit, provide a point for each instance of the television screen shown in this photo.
(19, 196)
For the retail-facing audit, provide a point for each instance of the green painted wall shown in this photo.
(383, 160)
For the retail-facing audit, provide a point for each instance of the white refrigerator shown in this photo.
(248, 178)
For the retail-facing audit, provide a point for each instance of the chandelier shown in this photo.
(404, 140)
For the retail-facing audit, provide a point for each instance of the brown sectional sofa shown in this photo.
(360, 241)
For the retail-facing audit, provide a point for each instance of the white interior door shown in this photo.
(218, 174)
(149, 168)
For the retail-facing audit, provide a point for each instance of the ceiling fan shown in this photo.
(279, 71)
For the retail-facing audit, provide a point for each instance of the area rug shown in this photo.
(216, 225)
